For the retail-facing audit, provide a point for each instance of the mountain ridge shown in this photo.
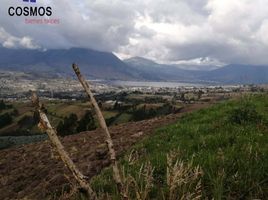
(58, 61)
(107, 66)
(228, 74)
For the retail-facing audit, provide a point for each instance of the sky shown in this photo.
(167, 31)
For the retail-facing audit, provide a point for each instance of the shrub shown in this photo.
(244, 114)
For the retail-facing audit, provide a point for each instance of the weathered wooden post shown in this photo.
(109, 141)
(45, 125)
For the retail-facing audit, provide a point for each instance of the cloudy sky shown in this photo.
(169, 31)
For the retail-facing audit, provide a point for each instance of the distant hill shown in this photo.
(105, 65)
(94, 64)
(229, 74)
(151, 70)
(238, 74)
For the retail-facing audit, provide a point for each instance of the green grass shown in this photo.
(123, 118)
(109, 114)
(233, 155)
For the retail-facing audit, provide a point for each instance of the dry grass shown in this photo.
(183, 180)
(140, 186)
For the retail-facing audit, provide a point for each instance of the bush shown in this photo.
(244, 114)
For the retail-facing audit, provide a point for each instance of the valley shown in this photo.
(133, 100)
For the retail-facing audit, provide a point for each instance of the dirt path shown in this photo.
(35, 172)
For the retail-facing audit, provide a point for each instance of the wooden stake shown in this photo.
(103, 125)
(45, 125)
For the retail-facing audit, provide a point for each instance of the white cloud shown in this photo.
(10, 41)
(165, 30)
(262, 34)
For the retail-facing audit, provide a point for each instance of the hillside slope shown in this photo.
(35, 172)
(94, 64)
(226, 142)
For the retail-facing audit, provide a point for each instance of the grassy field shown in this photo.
(215, 153)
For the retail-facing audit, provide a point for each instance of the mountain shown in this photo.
(94, 64)
(151, 70)
(229, 74)
(196, 67)
(238, 74)
(202, 63)
(104, 65)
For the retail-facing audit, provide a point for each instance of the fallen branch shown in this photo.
(45, 125)
(103, 125)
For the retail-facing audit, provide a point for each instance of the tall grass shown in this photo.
(183, 181)
(222, 155)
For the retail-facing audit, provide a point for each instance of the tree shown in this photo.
(199, 94)
(182, 97)
(5, 119)
(60, 127)
(15, 112)
(87, 123)
(36, 117)
(116, 106)
(68, 126)
(100, 104)
(2, 105)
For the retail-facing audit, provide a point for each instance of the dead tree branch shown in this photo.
(45, 125)
(103, 125)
